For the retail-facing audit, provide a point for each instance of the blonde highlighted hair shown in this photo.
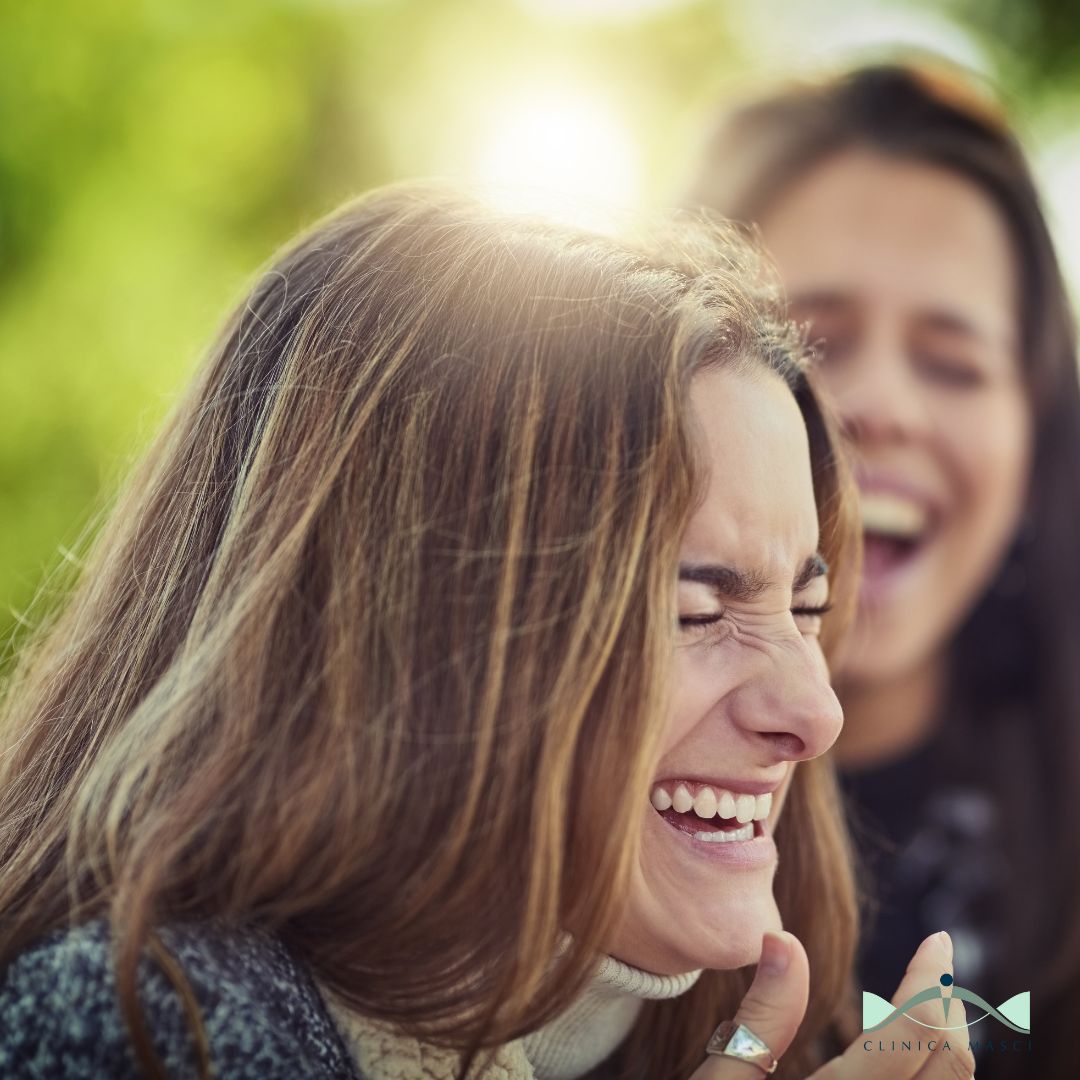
(391, 588)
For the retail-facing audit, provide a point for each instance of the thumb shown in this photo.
(773, 1007)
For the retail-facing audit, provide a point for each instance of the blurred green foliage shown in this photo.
(154, 153)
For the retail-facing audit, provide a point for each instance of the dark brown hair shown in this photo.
(1015, 676)
(401, 563)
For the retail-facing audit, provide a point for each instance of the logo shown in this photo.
(1014, 1013)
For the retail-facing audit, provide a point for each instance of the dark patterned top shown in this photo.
(931, 844)
(60, 1017)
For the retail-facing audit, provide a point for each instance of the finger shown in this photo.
(773, 1007)
(932, 960)
(951, 1058)
(880, 1054)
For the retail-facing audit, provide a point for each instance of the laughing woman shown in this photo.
(905, 221)
(432, 695)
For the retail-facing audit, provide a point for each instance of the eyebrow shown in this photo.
(951, 323)
(828, 302)
(744, 585)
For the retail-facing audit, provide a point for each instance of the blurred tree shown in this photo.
(1036, 43)
(150, 157)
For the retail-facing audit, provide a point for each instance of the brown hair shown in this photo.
(1015, 682)
(401, 564)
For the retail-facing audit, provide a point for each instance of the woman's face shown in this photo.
(906, 276)
(751, 690)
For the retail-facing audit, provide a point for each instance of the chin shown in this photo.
(736, 940)
(725, 937)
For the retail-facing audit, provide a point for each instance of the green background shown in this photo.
(153, 155)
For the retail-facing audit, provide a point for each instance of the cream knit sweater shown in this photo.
(567, 1048)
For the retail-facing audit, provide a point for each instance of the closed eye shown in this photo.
(955, 374)
(808, 619)
(821, 609)
(712, 617)
(701, 620)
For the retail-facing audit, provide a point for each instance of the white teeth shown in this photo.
(893, 515)
(744, 808)
(705, 803)
(711, 802)
(727, 836)
(682, 800)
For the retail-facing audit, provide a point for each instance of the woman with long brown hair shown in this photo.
(904, 221)
(431, 695)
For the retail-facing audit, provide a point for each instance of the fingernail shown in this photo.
(946, 942)
(775, 955)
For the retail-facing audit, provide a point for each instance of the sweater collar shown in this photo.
(586, 1033)
(599, 1019)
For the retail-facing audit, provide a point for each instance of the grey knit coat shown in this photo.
(60, 1017)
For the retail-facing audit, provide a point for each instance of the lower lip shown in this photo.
(737, 854)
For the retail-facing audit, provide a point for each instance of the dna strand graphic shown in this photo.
(1014, 1013)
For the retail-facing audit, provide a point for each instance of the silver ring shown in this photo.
(738, 1041)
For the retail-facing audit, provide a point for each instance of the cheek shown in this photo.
(990, 450)
(781, 795)
(703, 676)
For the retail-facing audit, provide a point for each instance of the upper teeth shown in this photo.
(894, 515)
(710, 802)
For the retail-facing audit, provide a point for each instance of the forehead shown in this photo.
(758, 510)
(896, 233)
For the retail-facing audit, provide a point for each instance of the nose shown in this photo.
(789, 708)
(876, 391)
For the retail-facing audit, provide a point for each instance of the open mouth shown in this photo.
(896, 529)
(883, 553)
(712, 815)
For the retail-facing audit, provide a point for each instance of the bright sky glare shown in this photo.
(565, 154)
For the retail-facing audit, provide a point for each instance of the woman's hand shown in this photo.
(775, 1004)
